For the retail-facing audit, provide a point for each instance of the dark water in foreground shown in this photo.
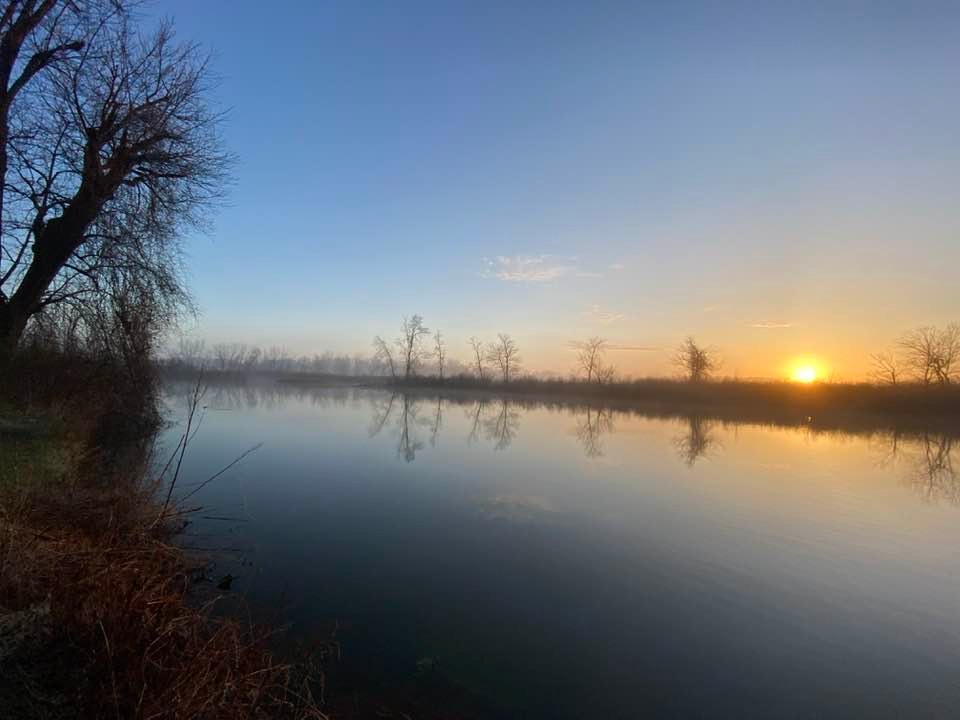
(576, 562)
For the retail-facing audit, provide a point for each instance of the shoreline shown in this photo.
(856, 407)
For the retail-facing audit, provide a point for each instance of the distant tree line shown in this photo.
(418, 352)
(235, 357)
(926, 356)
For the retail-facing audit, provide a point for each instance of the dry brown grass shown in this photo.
(123, 609)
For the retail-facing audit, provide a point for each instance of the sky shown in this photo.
(780, 180)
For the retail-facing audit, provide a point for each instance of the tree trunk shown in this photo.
(10, 332)
(53, 247)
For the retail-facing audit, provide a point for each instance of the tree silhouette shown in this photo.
(479, 355)
(590, 357)
(932, 354)
(440, 352)
(109, 149)
(505, 355)
(696, 362)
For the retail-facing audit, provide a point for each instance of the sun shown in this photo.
(804, 374)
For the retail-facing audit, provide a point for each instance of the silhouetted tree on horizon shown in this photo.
(932, 354)
(886, 368)
(440, 352)
(413, 331)
(590, 359)
(505, 355)
(479, 355)
(696, 362)
(383, 354)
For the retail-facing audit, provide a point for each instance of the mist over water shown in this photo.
(580, 561)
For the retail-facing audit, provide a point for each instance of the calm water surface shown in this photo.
(579, 562)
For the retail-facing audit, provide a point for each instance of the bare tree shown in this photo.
(276, 359)
(949, 368)
(886, 368)
(606, 374)
(191, 352)
(221, 353)
(440, 352)
(933, 355)
(590, 359)
(479, 356)
(411, 344)
(109, 148)
(251, 360)
(383, 354)
(505, 355)
(697, 363)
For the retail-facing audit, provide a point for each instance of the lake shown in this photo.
(570, 561)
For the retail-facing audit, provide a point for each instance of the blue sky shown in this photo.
(780, 179)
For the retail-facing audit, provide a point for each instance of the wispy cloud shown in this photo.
(527, 268)
(535, 268)
(710, 308)
(616, 266)
(597, 314)
(770, 325)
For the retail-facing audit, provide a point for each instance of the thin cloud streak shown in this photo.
(595, 313)
(770, 325)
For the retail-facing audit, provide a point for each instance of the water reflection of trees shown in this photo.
(697, 441)
(475, 415)
(923, 459)
(437, 422)
(382, 408)
(591, 426)
(502, 425)
(231, 396)
(928, 462)
(408, 444)
(406, 423)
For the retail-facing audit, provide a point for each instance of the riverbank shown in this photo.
(101, 614)
(829, 406)
(816, 398)
(810, 398)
